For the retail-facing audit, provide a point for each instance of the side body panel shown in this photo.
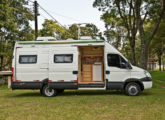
(33, 71)
(63, 71)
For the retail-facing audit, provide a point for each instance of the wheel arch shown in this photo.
(134, 80)
(44, 82)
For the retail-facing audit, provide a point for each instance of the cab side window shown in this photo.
(113, 60)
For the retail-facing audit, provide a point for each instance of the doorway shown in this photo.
(91, 64)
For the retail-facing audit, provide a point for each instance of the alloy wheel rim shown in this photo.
(49, 92)
(132, 90)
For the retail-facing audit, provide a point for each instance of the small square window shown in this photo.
(63, 58)
(28, 59)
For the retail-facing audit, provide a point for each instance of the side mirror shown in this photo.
(129, 66)
(123, 65)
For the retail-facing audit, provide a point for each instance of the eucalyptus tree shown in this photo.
(123, 11)
(157, 45)
(134, 15)
(115, 31)
(51, 28)
(14, 26)
(87, 30)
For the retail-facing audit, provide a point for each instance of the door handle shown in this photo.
(44, 68)
(107, 72)
(75, 72)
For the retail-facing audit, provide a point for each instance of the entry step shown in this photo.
(91, 85)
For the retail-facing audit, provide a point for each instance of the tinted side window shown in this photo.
(66, 58)
(28, 59)
(125, 62)
(113, 60)
(122, 60)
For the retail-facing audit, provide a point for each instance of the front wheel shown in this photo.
(132, 89)
(49, 92)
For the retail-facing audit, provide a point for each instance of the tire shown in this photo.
(60, 90)
(41, 91)
(48, 92)
(132, 89)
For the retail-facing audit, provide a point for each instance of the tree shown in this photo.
(123, 11)
(115, 31)
(14, 25)
(87, 30)
(51, 28)
(157, 45)
(153, 10)
(134, 15)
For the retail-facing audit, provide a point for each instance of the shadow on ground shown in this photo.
(74, 93)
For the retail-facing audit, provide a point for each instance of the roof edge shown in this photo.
(59, 42)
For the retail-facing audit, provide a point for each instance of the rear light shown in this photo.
(49, 80)
(12, 76)
(76, 80)
(60, 80)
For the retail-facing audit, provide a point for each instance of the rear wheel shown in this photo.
(41, 91)
(49, 92)
(132, 89)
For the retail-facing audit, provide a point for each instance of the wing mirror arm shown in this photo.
(125, 65)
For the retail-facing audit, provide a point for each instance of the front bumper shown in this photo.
(147, 84)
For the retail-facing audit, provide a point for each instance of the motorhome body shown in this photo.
(53, 66)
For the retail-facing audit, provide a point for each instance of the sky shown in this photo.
(68, 12)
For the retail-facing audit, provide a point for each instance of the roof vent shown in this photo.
(85, 38)
(70, 39)
(46, 39)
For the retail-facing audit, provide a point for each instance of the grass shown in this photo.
(82, 105)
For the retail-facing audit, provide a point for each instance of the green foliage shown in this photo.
(158, 43)
(134, 15)
(14, 26)
(51, 28)
(87, 30)
(115, 30)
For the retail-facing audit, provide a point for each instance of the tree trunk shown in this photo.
(163, 63)
(133, 54)
(1, 63)
(132, 47)
(144, 56)
(144, 46)
(160, 62)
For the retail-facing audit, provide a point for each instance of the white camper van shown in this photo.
(53, 66)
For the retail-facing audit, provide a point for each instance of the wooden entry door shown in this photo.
(87, 73)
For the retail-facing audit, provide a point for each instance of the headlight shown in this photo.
(147, 74)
